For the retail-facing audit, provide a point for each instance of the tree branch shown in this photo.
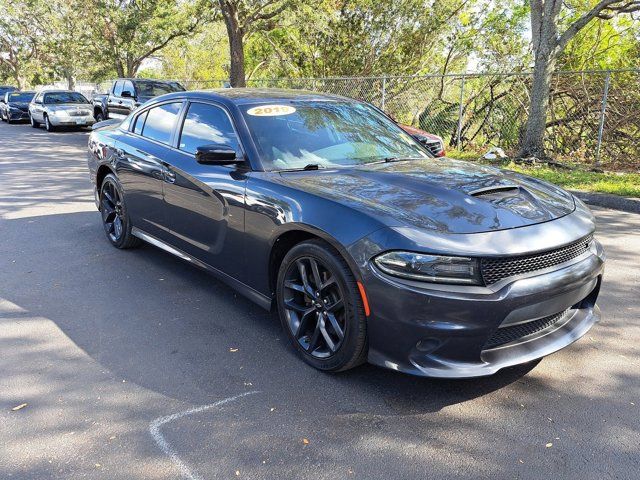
(599, 11)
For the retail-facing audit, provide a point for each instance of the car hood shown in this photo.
(70, 106)
(442, 195)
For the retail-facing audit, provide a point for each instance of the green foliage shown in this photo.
(625, 184)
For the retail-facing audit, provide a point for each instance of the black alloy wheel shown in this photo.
(99, 117)
(320, 307)
(114, 215)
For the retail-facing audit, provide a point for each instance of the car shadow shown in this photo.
(155, 320)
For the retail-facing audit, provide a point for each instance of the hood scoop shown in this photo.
(493, 190)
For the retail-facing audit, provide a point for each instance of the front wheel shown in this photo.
(47, 125)
(320, 307)
(115, 219)
(99, 117)
(34, 124)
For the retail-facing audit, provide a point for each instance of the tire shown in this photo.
(99, 117)
(115, 219)
(34, 124)
(313, 333)
(47, 125)
(2, 116)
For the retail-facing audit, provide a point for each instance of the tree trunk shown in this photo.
(71, 81)
(533, 139)
(21, 81)
(236, 44)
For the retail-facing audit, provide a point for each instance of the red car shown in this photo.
(433, 142)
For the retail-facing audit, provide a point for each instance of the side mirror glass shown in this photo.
(126, 94)
(216, 154)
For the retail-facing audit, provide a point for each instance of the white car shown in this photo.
(60, 108)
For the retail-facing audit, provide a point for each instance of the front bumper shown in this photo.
(442, 331)
(72, 121)
(16, 116)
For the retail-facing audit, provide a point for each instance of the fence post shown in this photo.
(603, 111)
(384, 91)
(460, 113)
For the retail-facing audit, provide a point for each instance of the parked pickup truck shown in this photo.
(126, 94)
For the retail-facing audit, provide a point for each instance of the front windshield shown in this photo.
(64, 97)
(21, 96)
(327, 134)
(155, 89)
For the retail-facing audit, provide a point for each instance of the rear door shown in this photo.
(141, 153)
(205, 203)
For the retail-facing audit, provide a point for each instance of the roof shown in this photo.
(240, 96)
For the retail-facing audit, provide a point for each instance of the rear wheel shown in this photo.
(320, 308)
(115, 219)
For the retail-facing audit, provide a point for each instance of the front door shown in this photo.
(205, 203)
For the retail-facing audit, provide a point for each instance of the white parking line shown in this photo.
(154, 430)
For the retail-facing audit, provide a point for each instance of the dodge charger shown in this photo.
(369, 247)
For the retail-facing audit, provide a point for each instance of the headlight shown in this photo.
(58, 113)
(430, 268)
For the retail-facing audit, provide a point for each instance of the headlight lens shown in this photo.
(430, 268)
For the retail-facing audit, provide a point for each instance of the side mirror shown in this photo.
(126, 94)
(216, 154)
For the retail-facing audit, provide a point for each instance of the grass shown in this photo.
(624, 184)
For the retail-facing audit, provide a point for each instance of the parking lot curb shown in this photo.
(606, 200)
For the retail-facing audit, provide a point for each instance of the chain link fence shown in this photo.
(593, 116)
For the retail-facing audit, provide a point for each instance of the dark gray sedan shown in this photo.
(14, 106)
(369, 248)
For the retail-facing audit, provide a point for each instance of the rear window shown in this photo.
(154, 89)
(161, 121)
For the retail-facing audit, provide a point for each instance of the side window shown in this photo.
(206, 124)
(128, 87)
(117, 89)
(137, 128)
(161, 121)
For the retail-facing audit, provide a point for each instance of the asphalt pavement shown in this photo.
(135, 365)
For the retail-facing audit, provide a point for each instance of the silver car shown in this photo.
(60, 108)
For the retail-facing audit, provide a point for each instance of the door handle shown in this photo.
(167, 173)
(169, 176)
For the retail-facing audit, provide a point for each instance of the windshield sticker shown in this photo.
(271, 110)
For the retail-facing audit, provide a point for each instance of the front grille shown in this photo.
(495, 269)
(79, 113)
(508, 334)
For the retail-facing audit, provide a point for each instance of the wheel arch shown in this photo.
(285, 240)
(103, 171)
